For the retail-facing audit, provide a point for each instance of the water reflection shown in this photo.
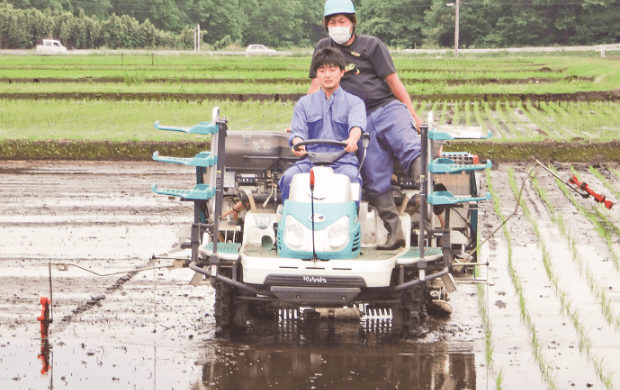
(335, 355)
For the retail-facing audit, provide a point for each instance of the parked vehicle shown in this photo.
(50, 46)
(317, 250)
(259, 49)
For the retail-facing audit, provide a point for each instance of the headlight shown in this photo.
(294, 233)
(338, 234)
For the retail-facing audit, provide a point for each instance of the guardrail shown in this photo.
(151, 52)
(599, 48)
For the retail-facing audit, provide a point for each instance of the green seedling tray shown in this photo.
(446, 165)
(204, 128)
(202, 159)
(446, 197)
(200, 192)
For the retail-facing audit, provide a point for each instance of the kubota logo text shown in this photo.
(313, 279)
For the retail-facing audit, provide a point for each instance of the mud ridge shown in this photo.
(301, 80)
(96, 300)
(595, 96)
(573, 151)
(97, 150)
(549, 151)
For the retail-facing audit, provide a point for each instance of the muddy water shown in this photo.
(553, 302)
(151, 330)
(335, 355)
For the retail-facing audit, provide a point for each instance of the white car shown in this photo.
(259, 49)
(50, 46)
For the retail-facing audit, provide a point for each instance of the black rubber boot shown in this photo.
(386, 207)
(414, 171)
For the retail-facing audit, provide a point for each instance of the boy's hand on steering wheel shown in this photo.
(302, 149)
(351, 145)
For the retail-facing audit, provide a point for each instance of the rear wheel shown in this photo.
(231, 314)
(409, 315)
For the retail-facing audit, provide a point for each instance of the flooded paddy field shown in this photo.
(548, 319)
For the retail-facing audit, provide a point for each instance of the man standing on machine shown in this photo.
(392, 120)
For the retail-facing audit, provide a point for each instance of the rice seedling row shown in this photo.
(456, 114)
(491, 119)
(566, 304)
(521, 122)
(572, 301)
(537, 352)
(605, 179)
(130, 119)
(532, 129)
(591, 216)
(562, 288)
(481, 122)
(586, 272)
(439, 90)
(504, 119)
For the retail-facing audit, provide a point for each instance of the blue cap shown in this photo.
(333, 7)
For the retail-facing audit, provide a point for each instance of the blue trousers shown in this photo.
(305, 166)
(391, 133)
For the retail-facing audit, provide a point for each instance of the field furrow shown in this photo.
(563, 283)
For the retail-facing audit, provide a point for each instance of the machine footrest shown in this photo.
(225, 250)
(412, 256)
(200, 192)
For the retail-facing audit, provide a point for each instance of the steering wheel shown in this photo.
(322, 158)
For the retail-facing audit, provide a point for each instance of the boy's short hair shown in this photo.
(328, 56)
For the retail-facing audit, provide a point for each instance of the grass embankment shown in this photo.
(37, 129)
(121, 130)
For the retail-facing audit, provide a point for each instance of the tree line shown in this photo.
(131, 24)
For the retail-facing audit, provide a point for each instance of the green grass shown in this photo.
(133, 119)
(130, 120)
(133, 86)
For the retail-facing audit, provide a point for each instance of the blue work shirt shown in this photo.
(316, 117)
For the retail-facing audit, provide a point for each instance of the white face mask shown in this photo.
(340, 35)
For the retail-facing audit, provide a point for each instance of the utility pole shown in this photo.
(197, 38)
(456, 29)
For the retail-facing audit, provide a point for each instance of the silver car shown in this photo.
(259, 49)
